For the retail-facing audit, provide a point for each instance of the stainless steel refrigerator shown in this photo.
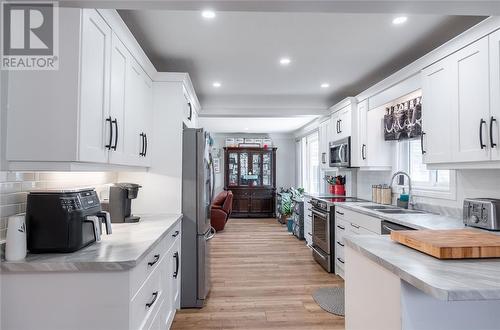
(197, 194)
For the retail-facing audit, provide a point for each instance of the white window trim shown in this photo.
(422, 190)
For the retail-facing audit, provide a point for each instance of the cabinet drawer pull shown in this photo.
(142, 144)
(339, 212)
(341, 261)
(355, 226)
(363, 151)
(151, 303)
(145, 145)
(492, 143)
(340, 244)
(156, 258)
(176, 257)
(175, 234)
(481, 124)
(422, 143)
(340, 227)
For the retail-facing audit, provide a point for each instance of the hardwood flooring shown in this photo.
(262, 278)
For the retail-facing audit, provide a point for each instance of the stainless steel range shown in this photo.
(323, 229)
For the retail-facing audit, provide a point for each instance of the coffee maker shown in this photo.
(120, 202)
(64, 220)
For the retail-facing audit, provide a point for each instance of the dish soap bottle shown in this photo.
(403, 199)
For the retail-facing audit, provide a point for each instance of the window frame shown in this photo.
(424, 190)
(305, 155)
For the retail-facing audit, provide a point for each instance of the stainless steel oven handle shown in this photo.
(387, 228)
(319, 253)
(321, 214)
(340, 153)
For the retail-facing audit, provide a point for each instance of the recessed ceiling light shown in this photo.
(285, 61)
(399, 20)
(216, 84)
(325, 85)
(208, 14)
(246, 128)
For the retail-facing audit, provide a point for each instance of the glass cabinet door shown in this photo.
(244, 170)
(256, 170)
(233, 169)
(267, 168)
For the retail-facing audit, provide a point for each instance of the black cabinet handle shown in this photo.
(340, 227)
(142, 144)
(341, 261)
(340, 125)
(340, 244)
(110, 133)
(492, 120)
(151, 303)
(338, 212)
(156, 258)
(176, 257)
(190, 116)
(175, 234)
(363, 151)
(323, 158)
(481, 124)
(115, 122)
(145, 145)
(422, 143)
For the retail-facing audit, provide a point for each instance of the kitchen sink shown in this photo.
(399, 211)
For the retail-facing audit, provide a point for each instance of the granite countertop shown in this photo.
(451, 280)
(413, 220)
(123, 249)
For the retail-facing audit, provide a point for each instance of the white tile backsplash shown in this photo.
(14, 188)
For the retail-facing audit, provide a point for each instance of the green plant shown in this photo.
(286, 205)
(330, 179)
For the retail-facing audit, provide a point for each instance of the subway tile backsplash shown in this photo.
(14, 187)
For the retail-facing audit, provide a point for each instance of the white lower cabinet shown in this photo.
(349, 222)
(307, 221)
(143, 297)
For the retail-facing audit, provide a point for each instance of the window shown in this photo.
(428, 183)
(310, 163)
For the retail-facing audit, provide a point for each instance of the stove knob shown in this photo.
(474, 219)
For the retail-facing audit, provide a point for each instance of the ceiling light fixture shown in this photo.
(285, 61)
(325, 85)
(208, 14)
(399, 20)
(216, 84)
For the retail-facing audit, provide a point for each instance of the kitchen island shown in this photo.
(407, 289)
(129, 280)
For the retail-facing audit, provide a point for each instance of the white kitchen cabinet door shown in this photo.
(378, 152)
(437, 112)
(323, 144)
(344, 123)
(120, 116)
(359, 150)
(94, 93)
(494, 120)
(471, 102)
(333, 128)
(146, 116)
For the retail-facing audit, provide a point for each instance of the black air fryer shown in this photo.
(61, 221)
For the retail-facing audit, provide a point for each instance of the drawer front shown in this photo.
(341, 229)
(141, 272)
(156, 323)
(146, 302)
(339, 250)
(362, 220)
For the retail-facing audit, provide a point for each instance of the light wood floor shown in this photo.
(262, 278)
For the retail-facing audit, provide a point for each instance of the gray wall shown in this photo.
(285, 157)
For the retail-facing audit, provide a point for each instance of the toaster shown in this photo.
(482, 213)
(61, 221)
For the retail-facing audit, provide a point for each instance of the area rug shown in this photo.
(330, 299)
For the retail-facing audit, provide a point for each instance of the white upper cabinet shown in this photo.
(358, 150)
(437, 112)
(378, 152)
(494, 120)
(471, 102)
(87, 112)
(323, 144)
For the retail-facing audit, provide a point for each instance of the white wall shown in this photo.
(3, 116)
(162, 184)
(285, 157)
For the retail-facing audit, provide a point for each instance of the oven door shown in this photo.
(321, 230)
(340, 153)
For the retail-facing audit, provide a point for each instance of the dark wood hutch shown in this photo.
(250, 173)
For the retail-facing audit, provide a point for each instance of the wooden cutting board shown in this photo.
(451, 244)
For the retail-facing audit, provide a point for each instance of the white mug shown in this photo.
(15, 245)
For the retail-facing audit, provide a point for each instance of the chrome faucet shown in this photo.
(410, 196)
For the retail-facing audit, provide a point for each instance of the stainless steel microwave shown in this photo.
(340, 153)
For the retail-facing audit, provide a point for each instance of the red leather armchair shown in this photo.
(221, 209)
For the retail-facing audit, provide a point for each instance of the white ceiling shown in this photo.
(242, 51)
(253, 125)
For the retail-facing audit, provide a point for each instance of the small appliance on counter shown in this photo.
(482, 213)
(64, 220)
(120, 202)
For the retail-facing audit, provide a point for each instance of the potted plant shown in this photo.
(287, 211)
